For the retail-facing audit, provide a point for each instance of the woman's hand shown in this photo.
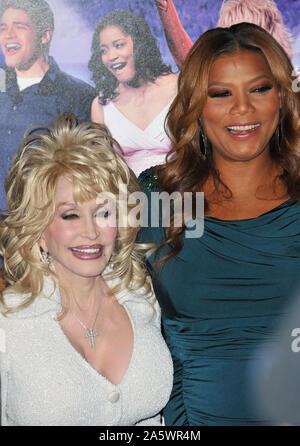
(162, 4)
(178, 41)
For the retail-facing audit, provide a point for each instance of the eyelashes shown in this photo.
(105, 213)
(69, 216)
(219, 94)
(226, 93)
(118, 45)
(263, 89)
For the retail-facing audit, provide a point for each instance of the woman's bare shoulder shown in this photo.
(97, 114)
(168, 79)
(168, 82)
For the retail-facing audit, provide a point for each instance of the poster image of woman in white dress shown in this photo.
(135, 88)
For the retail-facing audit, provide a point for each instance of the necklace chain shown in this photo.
(90, 331)
(81, 323)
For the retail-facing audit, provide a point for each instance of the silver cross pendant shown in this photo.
(91, 334)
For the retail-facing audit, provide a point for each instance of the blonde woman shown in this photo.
(81, 324)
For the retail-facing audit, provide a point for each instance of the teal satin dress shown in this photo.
(222, 298)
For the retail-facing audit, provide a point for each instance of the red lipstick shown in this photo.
(87, 252)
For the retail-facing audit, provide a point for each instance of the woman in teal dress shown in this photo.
(235, 131)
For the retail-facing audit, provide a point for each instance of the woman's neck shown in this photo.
(124, 88)
(257, 178)
(80, 292)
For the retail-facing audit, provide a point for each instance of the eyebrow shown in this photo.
(114, 41)
(74, 205)
(255, 79)
(66, 203)
(17, 23)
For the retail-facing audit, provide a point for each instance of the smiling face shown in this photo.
(81, 237)
(242, 108)
(116, 49)
(19, 40)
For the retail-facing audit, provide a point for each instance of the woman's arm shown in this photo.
(179, 42)
(97, 114)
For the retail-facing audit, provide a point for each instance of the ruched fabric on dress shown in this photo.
(222, 298)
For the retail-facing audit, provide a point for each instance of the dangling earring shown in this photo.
(202, 141)
(278, 133)
(46, 258)
(279, 136)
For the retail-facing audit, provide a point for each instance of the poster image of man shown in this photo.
(35, 90)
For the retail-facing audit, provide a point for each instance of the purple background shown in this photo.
(75, 21)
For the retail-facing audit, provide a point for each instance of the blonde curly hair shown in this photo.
(86, 153)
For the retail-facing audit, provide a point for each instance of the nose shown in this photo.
(242, 104)
(90, 229)
(10, 31)
(112, 54)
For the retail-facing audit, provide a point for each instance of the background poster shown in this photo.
(75, 22)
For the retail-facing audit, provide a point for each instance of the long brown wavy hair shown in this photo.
(186, 170)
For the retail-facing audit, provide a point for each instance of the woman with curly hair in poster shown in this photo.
(135, 88)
